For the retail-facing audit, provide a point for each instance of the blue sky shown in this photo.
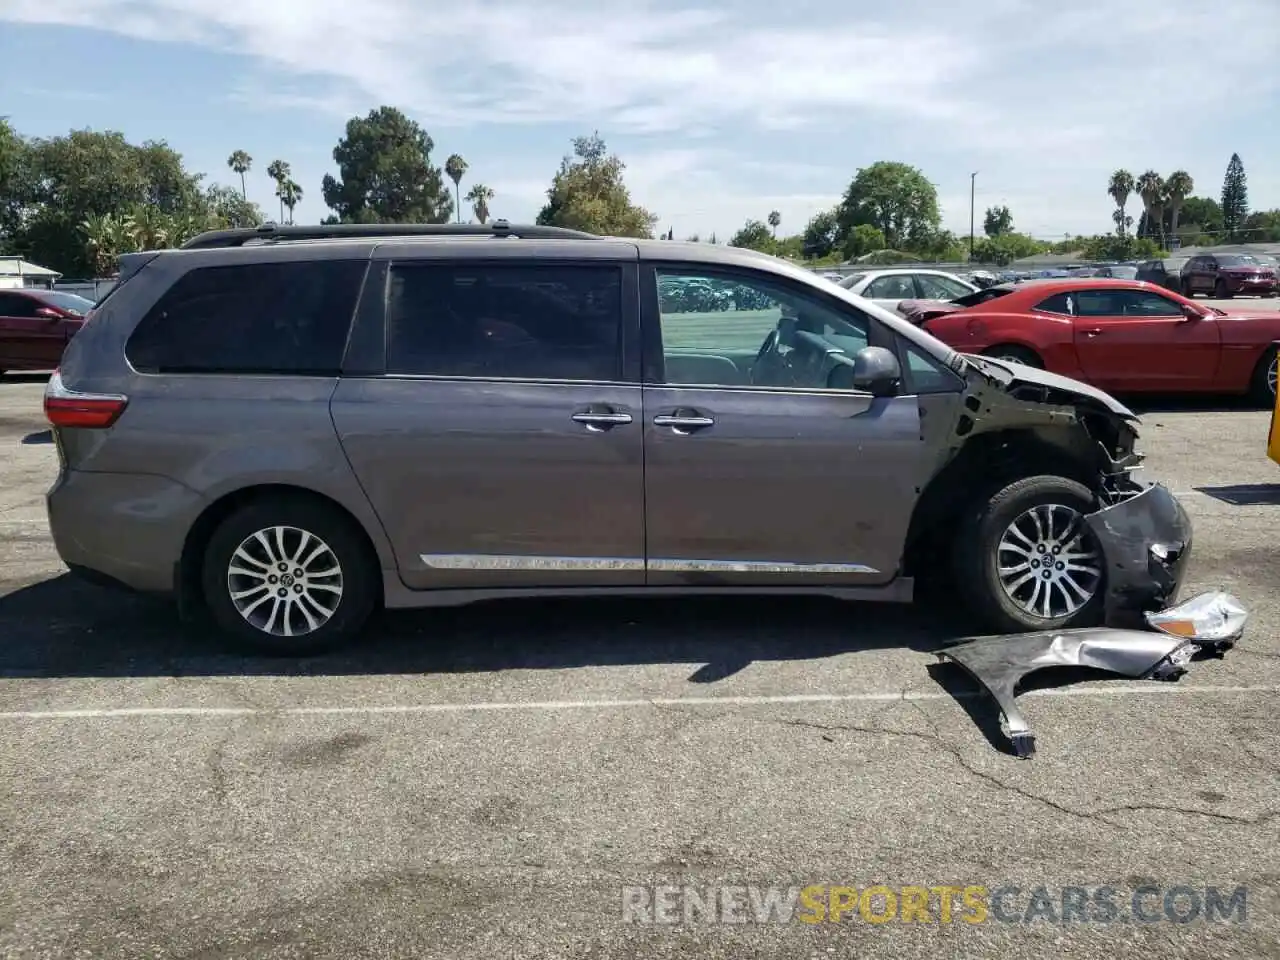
(721, 110)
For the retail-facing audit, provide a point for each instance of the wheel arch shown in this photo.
(987, 463)
(187, 575)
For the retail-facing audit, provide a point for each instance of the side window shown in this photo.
(288, 318)
(939, 288)
(12, 305)
(895, 286)
(519, 321)
(927, 375)
(1098, 303)
(1062, 303)
(737, 330)
(1138, 303)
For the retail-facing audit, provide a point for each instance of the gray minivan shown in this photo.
(287, 427)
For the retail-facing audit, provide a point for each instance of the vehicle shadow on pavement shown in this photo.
(62, 627)
(1147, 405)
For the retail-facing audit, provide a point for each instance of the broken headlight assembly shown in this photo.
(1213, 621)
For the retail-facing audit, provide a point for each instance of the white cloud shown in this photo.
(734, 108)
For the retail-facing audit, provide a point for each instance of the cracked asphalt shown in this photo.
(485, 782)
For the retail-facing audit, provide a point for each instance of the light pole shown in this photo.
(973, 179)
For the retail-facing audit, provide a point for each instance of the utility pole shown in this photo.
(973, 179)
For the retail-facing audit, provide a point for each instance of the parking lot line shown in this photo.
(551, 706)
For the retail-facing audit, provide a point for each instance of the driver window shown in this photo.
(737, 330)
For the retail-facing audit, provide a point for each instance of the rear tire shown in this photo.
(1015, 353)
(1262, 386)
(1005, 571)
(289, 576)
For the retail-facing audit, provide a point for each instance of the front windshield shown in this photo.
(1237, 260)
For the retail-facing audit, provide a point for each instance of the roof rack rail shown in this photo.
(273, 233)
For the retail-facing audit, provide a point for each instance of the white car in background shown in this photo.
(889, 287)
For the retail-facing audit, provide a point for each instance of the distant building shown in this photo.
(16, 273)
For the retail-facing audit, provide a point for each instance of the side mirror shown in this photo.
(876, 370)
(1191, 312)
(48, 313)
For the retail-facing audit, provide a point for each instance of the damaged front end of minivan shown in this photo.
(1013, 419)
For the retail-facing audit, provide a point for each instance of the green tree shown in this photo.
(290, 194)
(385, 173)
(861, 240)
(1235, 197)
(1262, 226)
(280, 172)
(588, 193)
(997, 221)
(479, 196)
(1111, 247)
(1119, 187)
(1176, 189)
(73, 179)
(228, 207)
(894, 198)
(821, 235)
(754, 235)
(241, 163)
(775, 221)
(1151, 189)
(456, 168)
(16, 185)
(1004, 248)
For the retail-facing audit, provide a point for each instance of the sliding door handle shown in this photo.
(683, 424)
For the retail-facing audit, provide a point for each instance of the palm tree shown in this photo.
(775, 219)
(150, 227)
(241, 163)
(279, 171)
(1150, 188)
(290, 194)
(1119, 188)
(479, 196)
(106, 237)
(1177, 188)
(456, 168)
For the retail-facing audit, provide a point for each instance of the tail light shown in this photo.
(70, 408)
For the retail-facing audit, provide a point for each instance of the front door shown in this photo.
(757, 473)
(503, 446)
(1139, 340)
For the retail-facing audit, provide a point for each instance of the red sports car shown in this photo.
(1123, 336)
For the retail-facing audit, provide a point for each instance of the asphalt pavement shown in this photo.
(502, 780)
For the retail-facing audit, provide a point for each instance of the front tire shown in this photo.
(1262, 387)
(1025, 560)
(1015, 353)
(289, 576)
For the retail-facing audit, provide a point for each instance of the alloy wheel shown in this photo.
(1048, 563)
(1273, 375)
(285, 581)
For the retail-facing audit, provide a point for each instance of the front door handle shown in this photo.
(1096, 331)
(683, 423)
(599, 420)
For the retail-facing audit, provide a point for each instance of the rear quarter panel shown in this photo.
(972, 331)
(1244, 341)
(210, 434)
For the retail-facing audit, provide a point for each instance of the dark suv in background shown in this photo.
(1166, 273)
(1224, 275)
(287, 427)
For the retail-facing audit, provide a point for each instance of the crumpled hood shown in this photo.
(1018, 374)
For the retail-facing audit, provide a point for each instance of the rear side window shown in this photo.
(289, 319)
(528, 322)
(1058, 303)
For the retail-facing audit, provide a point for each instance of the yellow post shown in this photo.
(1273, 438)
